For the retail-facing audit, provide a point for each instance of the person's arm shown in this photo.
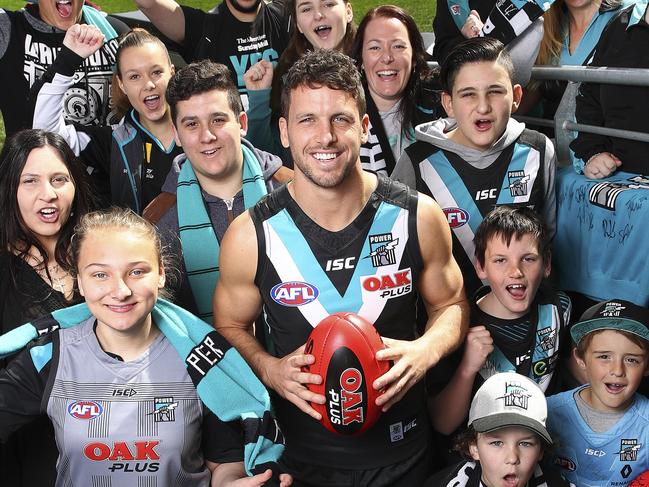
(22, 385)
(80, 42)
(237, 304)
(5, 32)
(445, 419)
(223, 448)
(261, 132)
(441, 288)
(593, 148)
(234, 475)
(166, 15)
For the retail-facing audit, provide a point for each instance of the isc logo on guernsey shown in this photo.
(85, 409)
(294, 293)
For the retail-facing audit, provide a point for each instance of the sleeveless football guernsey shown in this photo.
(306, 273)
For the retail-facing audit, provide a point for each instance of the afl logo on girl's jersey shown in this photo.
(294, 293)
(85, 409)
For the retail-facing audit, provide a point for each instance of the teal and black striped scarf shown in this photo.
(200, 246)
(223, 380)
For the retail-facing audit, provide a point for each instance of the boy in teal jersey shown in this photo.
(601, 429)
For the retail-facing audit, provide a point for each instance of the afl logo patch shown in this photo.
(294, 293)
(456, 217)
(85, 409)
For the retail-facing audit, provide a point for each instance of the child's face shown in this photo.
(615, 367)
(508, 456)
(514, 273)
(119, 275)
(481, 102)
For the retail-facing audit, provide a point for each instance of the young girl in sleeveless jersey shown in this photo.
(133, 384)
(128, 161)
(42, 196)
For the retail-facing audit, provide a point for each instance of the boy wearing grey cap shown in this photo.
(505, 440)
(601, 429)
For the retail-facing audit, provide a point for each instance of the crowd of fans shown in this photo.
(173, 231)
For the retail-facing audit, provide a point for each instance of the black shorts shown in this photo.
(409, 473)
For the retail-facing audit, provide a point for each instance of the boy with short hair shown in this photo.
(480, 158)
(516, 324)
(505, 440)
(602, 428)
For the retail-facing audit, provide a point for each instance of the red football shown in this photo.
(641, 481)
(344, 346)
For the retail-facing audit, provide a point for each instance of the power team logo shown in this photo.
(85, 409)
(629, 450)
(547, 338)
(382, 249)
(456, 217)
(164, 409)
(612, 310)
(515, 395)
(125, 456)
(517, 183)
(605, 195)
(294, 293)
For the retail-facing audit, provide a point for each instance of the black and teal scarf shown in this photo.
(223, 380)
(200, 246)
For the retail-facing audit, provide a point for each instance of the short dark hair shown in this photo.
(201, 77)
(475, 50)
(508, 222)
(324, 67)
(15, 236)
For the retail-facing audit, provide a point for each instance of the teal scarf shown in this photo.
(223, 380)
(199, 243)
(92, 16)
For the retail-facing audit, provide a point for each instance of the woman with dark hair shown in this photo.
(130, 159)
(398, 84)
(316, 24)
(42, 197)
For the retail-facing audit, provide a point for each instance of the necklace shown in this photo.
(58, 281)
(57, 278)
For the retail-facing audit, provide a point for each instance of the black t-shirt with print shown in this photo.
(224, 39)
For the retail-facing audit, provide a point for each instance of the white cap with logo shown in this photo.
(509, 399)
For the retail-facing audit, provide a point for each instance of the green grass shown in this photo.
(421, 10)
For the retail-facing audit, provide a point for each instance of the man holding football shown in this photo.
(336, 239)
